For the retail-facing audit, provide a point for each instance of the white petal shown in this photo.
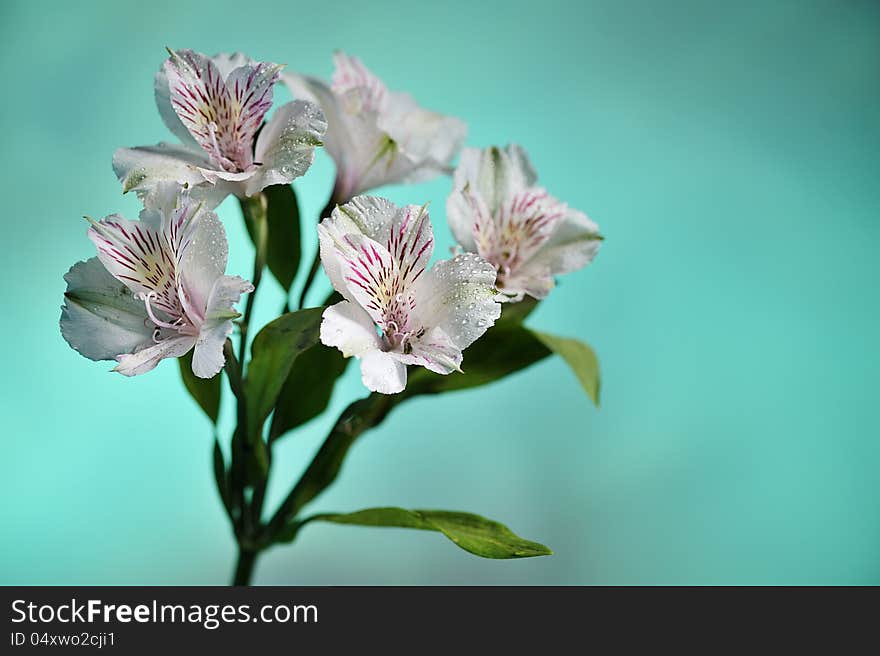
(377, 138)
(160, 202)
(369, 215)
(358, 147)
(312, 89)
(100, 318)
(166, 110)
(362, 89)
(436, 351)
(533, 281)
(411, 242)
(494, 173)
(146, 359)
(382, 372)
(204, 260)
(136, 254)
(208, 358)
(364, 215)
(218, 176)
(572, 246)
(222, 113)
(430, 139)
(286, 146)
(228, 62)
(378, 276)
(368, 271)
(141, 168)
(463, 209)
(458, 296)
(347, 327)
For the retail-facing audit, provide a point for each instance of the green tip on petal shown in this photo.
(132, 180)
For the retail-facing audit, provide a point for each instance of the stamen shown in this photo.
(162, 324)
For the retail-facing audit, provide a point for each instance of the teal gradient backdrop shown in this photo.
(729, 151)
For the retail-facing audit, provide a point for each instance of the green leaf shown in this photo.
(283, 248)
(282, 226)
(308, 388)
(273, 353)
(579, 357)
(220, 477)
(478, 535)
(517, 312)
(205, 391)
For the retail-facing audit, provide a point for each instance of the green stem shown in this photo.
(244, 567)
(324, 468)
(254, 209)
(237, 468)
(316, 261)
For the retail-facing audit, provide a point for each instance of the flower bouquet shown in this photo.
(158, 286)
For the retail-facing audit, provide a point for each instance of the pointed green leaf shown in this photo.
(477, 535)
(220, 476)
(579, 357)
(283, 247)
(308, 388)
(273, 353)
(205, 391)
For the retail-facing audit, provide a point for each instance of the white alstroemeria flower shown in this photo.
(377, 137)
(496, 210)
(215, 106)
(156, 289)
(395, 311)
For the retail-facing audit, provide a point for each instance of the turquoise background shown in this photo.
(729, 152)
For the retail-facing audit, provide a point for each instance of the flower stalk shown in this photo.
(254, 211)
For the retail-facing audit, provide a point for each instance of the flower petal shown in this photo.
(250, 90)
(203, 261)
(358, 147)
(222, 113)
(137, 255)
(375, 137)
(361, 90)
(146, 359)
(382, 372)
(411, 242)
(436, 351)
(100, 317)
(337, 139)
(430, 139)
(369, 272)
(208, 358)
(458, 296)
(494, 173)
(141, 168)
(286, 146)
(347, 327)
(228, 62)
(572, 245)
(377, 276)
(172, 121)
(464, 211)
(364, 215)
(225, 64)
